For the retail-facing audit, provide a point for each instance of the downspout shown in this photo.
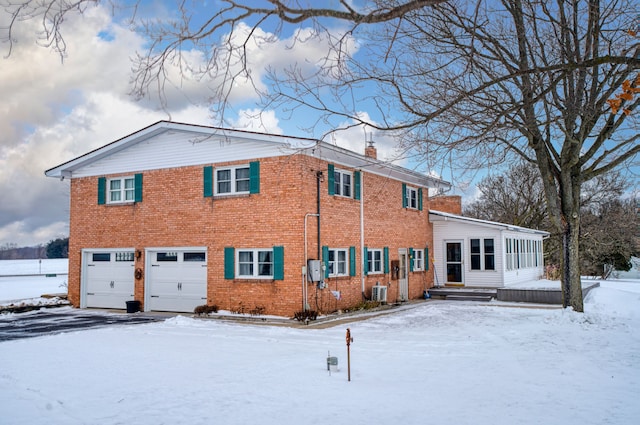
(318, 181)
(363, 262)
(305, 304)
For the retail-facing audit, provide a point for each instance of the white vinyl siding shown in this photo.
(180, 149)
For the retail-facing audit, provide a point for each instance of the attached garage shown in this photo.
(108, 278)
(176, 279)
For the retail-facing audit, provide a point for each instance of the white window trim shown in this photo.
(340, 188)
(483, 254)
(255, 262)
(410, 190)
(233, 180)
(418, 263)
(123, 190)
(335, 262)
(370, 252)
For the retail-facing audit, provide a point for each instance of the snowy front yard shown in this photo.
(438, 363)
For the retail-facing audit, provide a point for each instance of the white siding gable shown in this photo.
(180, 148)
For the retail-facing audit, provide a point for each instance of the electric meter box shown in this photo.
(314, 269)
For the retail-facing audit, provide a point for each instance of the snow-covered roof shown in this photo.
(444, 216)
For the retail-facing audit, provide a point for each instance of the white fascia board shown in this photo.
(347, 158)
(66, 169)
(443, 216)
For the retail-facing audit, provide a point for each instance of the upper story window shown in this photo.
(240, 179)
(342, 183)
(232, 180)
(121, 190)
(412, 197)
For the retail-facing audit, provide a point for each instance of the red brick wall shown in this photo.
(448, 204)
(174, 213)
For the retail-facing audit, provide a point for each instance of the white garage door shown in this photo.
(176, 279)
(109, 279)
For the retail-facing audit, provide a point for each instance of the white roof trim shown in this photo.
(347, 158)
(443, 216)
(290, 145)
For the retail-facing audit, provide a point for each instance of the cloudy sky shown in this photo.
(53, 110)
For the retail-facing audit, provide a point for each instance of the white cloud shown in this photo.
(258, 120)
(53, 111)
(356, 139)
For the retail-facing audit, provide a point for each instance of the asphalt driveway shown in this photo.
(58, 320)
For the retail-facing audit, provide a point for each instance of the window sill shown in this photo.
(253, 280)
(231, 195)
(345, 277)
(345, 198)
(119, 204)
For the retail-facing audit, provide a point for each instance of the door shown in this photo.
(177, 280)
(108, 281)
(403, 273)
(454, 261)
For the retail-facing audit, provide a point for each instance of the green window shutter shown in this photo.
(356, 185)
(426, 259)
(385, 253)
(404, 196)
(332, 180)
(278, 263)
(420, 199)
(207, 173)
(410, 259)
(102, 190)
(365, 258)
(254, 177)
(325, 260)
(229, 262)
(138, 188)
(352, 261)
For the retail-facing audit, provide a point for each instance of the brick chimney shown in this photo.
(370, 151)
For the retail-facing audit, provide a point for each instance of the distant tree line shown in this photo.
(55, 248)
(609, 221)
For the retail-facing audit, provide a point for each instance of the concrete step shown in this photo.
(484, 298)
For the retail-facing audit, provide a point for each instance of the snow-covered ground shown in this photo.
(435, 363)
(27, 279)
(34, 267)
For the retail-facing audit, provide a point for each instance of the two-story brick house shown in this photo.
(178, 215)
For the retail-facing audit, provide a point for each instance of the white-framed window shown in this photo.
(254, 263)
(482, 253)
(418, 259)
(374, 261)
(232, 180)
(523, 253)
(121, 190)
(412, 197)
(338, 262)
(342, 182)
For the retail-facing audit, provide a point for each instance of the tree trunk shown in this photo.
(571, 284)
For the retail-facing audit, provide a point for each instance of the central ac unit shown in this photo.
(379, 293)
